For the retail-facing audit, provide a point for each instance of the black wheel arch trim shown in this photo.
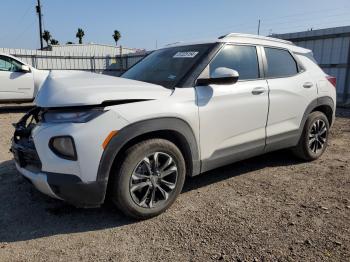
(292, 138)
(134, 130)
(320, 101)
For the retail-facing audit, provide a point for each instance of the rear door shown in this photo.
(292, 89)
(14, 84)
(233, 116)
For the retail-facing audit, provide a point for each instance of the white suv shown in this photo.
(181, 111)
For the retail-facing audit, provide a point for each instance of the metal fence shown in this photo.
(50, 60)
(331, 48)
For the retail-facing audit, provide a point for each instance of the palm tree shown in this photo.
(54, 42)
(116, 36)
(46, 36)
(80, 34)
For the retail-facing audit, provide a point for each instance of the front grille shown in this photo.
(25, 153)
(23, 147)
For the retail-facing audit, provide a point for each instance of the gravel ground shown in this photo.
(269, 208)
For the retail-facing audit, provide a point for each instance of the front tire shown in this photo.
(149, 179)
(314, 138)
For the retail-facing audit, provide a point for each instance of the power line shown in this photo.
(293, 24)
(25, 13)
(313, 25)
(271, 26)
(267, 23)
(307, 13)
(23, 31)
(305, 19)
(19, 21)
(245, 26)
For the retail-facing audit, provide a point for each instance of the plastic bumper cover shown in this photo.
(67, 187)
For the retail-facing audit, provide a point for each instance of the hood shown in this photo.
(76, 88)
(39, 77)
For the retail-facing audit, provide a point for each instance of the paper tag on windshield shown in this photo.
(189, 54)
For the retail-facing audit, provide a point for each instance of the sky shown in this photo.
(155, 23)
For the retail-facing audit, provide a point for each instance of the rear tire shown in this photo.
(150, 178)
(314, 138)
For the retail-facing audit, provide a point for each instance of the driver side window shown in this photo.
(243, 59)
(8, 64)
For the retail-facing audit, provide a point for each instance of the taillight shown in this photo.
(332, 80)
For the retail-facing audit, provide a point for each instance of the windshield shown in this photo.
(166, 67)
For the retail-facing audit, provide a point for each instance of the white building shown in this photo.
(92, 49)
(106, 59)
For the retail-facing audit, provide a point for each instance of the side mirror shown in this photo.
(25, 68)
(221, 75)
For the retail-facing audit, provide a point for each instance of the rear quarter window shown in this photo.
(309, 63)
(280, 63)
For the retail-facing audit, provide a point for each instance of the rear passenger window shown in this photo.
(243, 59)
(280, 63)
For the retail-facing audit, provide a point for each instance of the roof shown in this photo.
(256, 37)
(249, 39)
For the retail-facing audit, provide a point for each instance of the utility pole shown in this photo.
(259, 28)
(38, 10)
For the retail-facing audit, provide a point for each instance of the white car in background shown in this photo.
(19, 82)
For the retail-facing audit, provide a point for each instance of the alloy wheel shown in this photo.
(153, 180)
(317, 136)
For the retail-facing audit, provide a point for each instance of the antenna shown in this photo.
(259, 27)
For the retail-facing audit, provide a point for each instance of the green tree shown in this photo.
(54, 42)
(46, 36)
(80, 34)
(69, 43)
(116, 36)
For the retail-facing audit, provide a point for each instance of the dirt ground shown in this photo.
(269, 208)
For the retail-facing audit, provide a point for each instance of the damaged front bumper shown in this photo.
(39, 180)
(67, 187)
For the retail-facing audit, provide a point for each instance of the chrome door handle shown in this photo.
(308, 85)
(258, 90)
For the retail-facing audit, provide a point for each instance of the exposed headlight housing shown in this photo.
(70, 116)
(64, 147)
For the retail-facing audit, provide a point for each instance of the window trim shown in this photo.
(191, 80)
(300, 68)
(258, 56)
(189, 74)
(260, 66)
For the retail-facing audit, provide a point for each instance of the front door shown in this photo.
(233, 116)
(14, 84)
